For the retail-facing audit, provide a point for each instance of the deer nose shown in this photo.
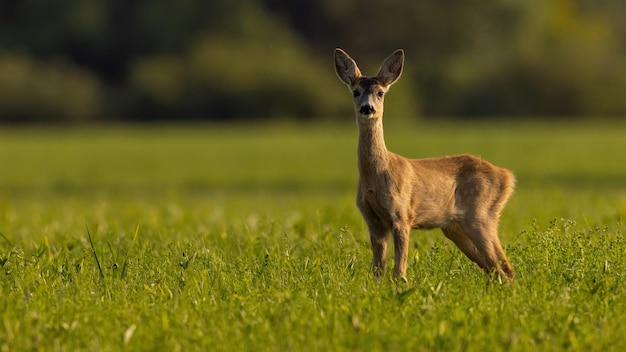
(367, 109)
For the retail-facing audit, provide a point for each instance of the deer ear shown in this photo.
(391, 69)
(345, 67)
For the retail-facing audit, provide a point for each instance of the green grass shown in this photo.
(246, 237)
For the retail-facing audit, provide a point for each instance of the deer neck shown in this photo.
(373, 154)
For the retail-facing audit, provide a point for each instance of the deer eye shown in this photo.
(381, 93)
(356, 93)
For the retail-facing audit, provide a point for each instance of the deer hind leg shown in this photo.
(503, 265)
(484, 236)
(465, 244)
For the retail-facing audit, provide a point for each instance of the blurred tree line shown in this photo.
(79, 60)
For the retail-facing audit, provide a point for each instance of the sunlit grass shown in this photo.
(247, 238)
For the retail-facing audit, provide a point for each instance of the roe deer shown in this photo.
(463, 195)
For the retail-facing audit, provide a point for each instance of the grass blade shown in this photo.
(6, 239)
(95, 255)
(125, 264)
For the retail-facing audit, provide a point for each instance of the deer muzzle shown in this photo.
(367, 109)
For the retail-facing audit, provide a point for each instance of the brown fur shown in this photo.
(463, 195)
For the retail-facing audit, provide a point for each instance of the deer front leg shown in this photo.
(378, 236)
(401, 245)
(379, 253)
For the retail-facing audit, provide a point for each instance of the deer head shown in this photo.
(368, 92)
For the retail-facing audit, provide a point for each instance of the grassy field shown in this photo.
(246, 237)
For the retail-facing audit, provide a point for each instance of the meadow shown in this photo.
(246, 237)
